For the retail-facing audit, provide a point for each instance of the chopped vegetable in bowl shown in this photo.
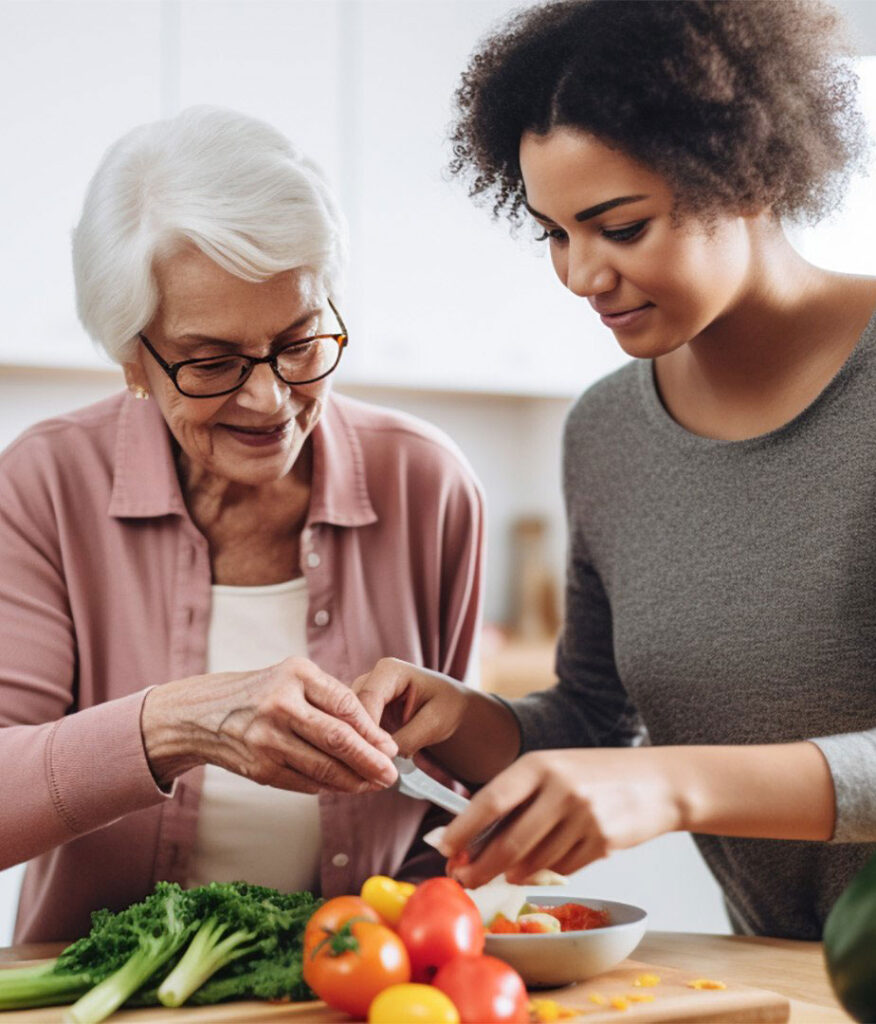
(535, 919)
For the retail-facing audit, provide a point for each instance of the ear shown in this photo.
(135, 379)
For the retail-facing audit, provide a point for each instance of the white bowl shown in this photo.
(561, 958)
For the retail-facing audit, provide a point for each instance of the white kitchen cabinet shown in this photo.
(439, 296)
(73, 77)
(273, 59)
(448, 298)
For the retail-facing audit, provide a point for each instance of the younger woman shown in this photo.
(714, 668)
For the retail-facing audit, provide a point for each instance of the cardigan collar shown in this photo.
(146, 485)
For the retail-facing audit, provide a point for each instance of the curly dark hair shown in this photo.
(738, 104)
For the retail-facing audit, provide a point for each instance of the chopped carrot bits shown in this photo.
(598, 998)
(619, 1003)
(706, 983)
(640, 997)
(545, 1011)
(647, 980)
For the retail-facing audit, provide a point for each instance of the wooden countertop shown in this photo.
(793, 969)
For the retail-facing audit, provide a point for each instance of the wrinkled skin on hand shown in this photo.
(289, 725)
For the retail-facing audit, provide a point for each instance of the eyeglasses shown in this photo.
(301, 362)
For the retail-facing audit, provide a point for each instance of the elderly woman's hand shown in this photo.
(289, 725)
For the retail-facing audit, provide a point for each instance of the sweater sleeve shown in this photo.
(851, 758)
(71, 770)
(588, 706)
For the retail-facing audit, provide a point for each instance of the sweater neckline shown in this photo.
(671, 428)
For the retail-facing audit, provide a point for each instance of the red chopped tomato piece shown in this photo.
(534, 928)
(575, 917)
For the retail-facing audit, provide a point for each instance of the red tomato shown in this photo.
(334, 913)
(352, 965)
(438, 923)
(484, 990)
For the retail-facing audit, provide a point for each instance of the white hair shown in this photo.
(230, 184)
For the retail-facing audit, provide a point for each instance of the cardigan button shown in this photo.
(313, 559)
(340, 860)
(322, 617)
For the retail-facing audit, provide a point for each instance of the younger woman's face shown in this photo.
(608, 222)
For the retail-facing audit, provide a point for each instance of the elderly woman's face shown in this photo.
(253, 435)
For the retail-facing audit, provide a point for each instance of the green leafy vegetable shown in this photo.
(211, 944)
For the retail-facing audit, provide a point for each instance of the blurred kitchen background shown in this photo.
(450, 318)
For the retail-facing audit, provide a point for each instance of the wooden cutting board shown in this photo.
(673, 1000)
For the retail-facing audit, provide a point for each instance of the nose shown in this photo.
(588, 272)
(263, 390)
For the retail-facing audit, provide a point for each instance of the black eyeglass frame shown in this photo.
(172, 370)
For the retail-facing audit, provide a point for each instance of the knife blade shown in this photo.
(414, 782)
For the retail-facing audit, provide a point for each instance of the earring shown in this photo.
(139, 392)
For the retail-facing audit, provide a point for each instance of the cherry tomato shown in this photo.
(485, 990)
(412, 1004)
(334, 913)
(387, 896)
(438, 923)
(353, 964)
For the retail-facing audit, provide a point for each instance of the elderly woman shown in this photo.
(179, 559)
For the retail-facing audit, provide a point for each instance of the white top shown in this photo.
(246, 831)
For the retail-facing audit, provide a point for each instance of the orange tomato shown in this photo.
(333, 914)
(354, 963)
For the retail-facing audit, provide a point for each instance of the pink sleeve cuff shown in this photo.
(96, 765)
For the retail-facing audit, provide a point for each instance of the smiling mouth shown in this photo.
(625, 312)
(258, 431)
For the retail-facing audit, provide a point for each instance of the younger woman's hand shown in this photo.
(419, 707)
(565, 809)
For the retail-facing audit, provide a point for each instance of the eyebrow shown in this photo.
(591, 211)
(206, 339)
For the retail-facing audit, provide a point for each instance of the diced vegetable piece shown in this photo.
(500, 925)
(538, 923)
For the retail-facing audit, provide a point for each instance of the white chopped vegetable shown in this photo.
(435, 839)
(547, 877)
(547, 921)
(498, 897)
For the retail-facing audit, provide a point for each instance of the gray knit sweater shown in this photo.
(724, 592)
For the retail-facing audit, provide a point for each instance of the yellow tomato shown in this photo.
(412, 1004)
(387, 896)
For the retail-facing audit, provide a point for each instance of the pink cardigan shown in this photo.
(105, 591)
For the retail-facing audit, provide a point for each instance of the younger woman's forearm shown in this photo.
(775, 791)
(486, 741)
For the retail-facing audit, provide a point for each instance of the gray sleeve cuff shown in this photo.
(851, 758)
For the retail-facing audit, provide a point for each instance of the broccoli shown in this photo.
(218, 942)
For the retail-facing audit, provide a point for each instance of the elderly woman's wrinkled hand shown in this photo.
(289, 725)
